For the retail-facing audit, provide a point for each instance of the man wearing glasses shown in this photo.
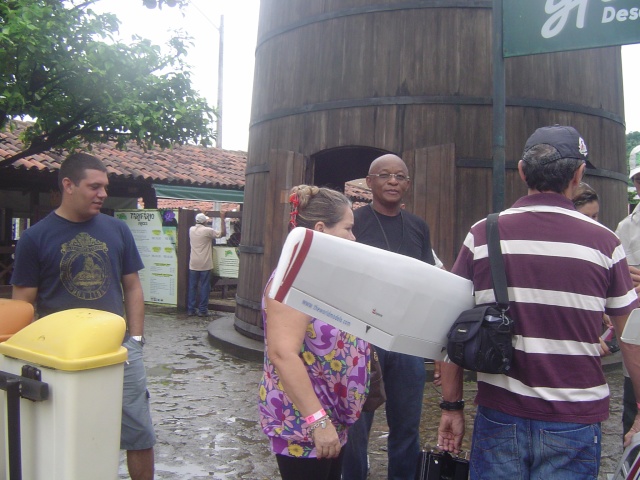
(384, 224)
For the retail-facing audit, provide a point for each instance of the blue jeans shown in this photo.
(199, 289)
(404, 378)
(505, 446)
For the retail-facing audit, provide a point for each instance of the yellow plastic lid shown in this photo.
(72, 340)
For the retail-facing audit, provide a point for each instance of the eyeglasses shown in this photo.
(386, 176)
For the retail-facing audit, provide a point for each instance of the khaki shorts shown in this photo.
(137, 428)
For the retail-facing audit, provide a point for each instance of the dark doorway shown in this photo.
(334, 167)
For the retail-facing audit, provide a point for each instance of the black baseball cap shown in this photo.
(566, 140)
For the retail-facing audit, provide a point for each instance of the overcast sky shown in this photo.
(240, 32)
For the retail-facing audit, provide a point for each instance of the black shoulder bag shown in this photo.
(480, 339)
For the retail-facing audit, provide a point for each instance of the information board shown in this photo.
(155, 232)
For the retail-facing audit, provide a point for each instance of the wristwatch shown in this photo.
(139, 338)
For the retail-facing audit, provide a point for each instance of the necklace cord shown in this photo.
(384, 234)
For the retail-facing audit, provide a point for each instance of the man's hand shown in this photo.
(635, 278)
(635, 428)
(451, 430)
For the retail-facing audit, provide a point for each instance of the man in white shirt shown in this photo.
(201, 263)
(629, 232)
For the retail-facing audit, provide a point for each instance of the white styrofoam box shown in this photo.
(392, 301)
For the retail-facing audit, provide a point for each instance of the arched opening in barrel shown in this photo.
(344, 169)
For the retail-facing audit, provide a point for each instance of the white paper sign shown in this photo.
(155, 235)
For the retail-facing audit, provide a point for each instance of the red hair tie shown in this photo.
(295, 202)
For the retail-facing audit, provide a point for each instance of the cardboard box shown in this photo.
(225, 262)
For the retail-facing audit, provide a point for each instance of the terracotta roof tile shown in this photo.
(188, 165)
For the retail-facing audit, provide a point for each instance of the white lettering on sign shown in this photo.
(609, 14)
(560, 10)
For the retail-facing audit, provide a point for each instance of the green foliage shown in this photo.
(60, 66)
(633, 140)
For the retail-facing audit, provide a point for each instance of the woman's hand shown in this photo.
(604, 349)
(326, 441)
(635, 428)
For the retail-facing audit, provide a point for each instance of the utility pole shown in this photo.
(499, 110)
(220, 63)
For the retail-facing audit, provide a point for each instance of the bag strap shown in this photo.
(498, 275)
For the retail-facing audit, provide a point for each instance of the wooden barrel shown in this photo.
(338, 83)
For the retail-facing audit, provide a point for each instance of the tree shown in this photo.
(60, 65)
(633, 140)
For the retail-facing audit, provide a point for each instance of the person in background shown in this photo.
(202, 239)
(629, 232)
(316, 377)
(542, 418)
(77, 257)
(234, 238)
(386, 225)
(586, 201)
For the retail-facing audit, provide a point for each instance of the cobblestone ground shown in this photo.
(204, 409)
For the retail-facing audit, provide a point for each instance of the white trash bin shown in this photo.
(75, 433)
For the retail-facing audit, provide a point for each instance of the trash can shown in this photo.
(75, 433)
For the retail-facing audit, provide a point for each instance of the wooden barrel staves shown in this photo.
(338, 83)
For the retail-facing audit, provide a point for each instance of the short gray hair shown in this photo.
(544, 172)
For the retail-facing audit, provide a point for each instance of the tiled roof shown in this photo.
(187, 165)
(199, 205)
(174, 203)
(358, 192)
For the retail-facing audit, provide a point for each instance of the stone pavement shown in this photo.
(204, 398)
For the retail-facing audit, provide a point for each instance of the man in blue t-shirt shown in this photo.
(77, 257)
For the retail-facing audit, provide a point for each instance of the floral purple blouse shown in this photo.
(338, 366)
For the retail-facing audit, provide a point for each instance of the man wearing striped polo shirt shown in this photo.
(564, 270)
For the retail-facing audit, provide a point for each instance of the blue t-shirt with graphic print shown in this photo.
(76, 265)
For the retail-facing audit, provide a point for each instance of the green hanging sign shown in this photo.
(541, 26)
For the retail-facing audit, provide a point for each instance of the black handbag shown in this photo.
(434, 465)
(377, 396)
(481, 338)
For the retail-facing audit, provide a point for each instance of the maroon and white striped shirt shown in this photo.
(563, 271)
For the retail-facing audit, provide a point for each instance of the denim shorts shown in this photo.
(137, 428)
(505, 446)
